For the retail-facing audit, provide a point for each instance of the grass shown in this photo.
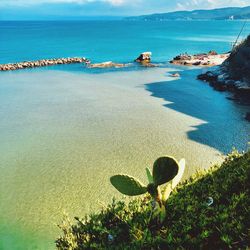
(190, 223)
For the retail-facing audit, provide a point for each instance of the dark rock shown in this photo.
(175, 75)
(247, 117)
(207, 77)
(197, 63)
(144, 57)
(212, 53)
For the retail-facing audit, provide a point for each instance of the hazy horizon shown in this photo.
(102, 9)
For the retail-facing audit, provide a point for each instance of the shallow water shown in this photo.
(65, 130)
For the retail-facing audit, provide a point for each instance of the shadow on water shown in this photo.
(223, 125)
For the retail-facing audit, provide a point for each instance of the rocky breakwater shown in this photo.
(109, 64)
(41, 63)
(233, 75)
(144, 60)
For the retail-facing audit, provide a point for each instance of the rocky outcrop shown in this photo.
(233, 75)
(221, 81)
(212, 58)
(175, 75)
(144, 58)
(41, 63)
(247, 117)
(107, 65)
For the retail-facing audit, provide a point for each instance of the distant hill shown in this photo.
(214, 14)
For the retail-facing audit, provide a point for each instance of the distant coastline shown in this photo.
(231, 13)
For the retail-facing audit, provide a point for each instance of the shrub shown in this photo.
(238, 63)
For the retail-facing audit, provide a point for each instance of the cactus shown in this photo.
(165, 170)
(128, 185)
(149, 175)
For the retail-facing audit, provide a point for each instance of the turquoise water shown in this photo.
(118, 41)
(65, 129)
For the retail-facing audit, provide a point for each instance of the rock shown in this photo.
(212, 53)
(218, 86)
(247, 117)
(182, 57)
(229, 82)
(144, 57)
(175, 75)
(40, 63)
(196, 63)
(221, 77)
(207, 77)
(107, 65)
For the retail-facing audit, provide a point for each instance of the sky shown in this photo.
(76, 9)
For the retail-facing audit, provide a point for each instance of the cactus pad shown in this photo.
(178, 177)
(149, 175)
(164, 170)
(128, 185)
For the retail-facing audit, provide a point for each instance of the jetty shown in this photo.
(42, 63)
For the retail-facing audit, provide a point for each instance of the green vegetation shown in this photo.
(208, 211)
(238, 63)
(165, 170)
(214, 14)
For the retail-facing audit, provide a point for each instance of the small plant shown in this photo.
(165, 170)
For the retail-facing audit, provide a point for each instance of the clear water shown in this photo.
(65, 130)
(113, 40)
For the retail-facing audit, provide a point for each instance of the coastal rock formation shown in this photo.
(175, 75)
(212, 58)
(107, 65)
(233, 75)
(247, 117)
(144, 58)
(221, 81)
(41, 63)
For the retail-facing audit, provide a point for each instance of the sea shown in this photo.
(65, 129)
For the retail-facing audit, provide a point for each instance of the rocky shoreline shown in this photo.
(41, 63)
(233, 75)
(220, 80)
(209, 59)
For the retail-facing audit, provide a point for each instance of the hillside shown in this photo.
(238, 64)
(209, 211)
(214, 14)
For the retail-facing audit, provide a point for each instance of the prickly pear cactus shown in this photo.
(164, 170)
(177, 178)
(171, 185)
(149, 175)
(128, 185)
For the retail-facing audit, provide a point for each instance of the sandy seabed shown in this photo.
(64, 135)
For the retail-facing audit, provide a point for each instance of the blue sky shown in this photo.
(68, 9)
